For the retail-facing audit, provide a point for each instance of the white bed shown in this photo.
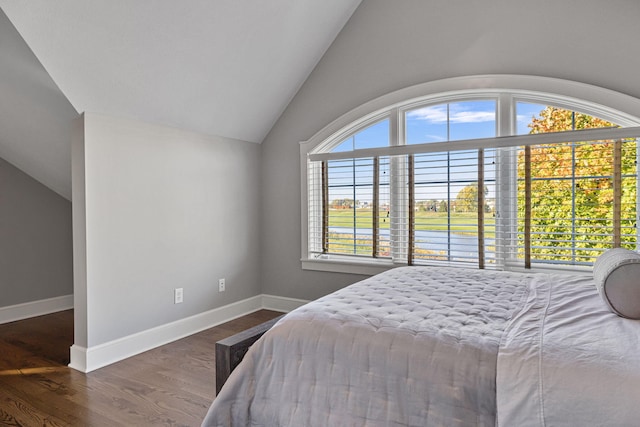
(424, 346)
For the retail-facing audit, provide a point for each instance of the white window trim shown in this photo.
(506, 89)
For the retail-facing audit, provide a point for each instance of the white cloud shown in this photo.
(473, 117)
(438, 114)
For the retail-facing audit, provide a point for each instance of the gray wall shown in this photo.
(35, 240)
(390, 45)
(155, 209)
(35, 222)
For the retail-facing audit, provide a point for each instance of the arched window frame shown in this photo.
(506, 90)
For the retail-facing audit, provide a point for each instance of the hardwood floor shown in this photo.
(172, 385)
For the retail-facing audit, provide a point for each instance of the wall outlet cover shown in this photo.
(178, 295)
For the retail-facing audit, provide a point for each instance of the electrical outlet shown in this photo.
(221, 285)
(177, 295)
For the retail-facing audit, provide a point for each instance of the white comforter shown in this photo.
(565, 360)
(442, 347)
(411, 347)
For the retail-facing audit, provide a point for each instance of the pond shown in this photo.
(460, 246)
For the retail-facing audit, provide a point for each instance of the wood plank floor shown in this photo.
(172, 385)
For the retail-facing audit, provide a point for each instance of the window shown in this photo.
(439, 181)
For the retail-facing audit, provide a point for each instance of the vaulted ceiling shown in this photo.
(219, 67)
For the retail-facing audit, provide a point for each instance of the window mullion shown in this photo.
(398, 189)
(325, 207)
(506, 184)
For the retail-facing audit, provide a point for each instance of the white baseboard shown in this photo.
(92, 358)
(78, 356)
(35, 308)
(284, 304)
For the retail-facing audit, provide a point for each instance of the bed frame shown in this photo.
(231, 350)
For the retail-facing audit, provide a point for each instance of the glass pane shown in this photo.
(427, 124)
(526, 113)
(446, 207)
(351, 214)
(538, 118)
(472, 120)
(446, 217)
(374, 136)
(572, 200)
(572, 213)
(346, 145)
(452, 121)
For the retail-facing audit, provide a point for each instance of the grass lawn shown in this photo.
(431, 221)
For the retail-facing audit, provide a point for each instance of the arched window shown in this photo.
(488, 178)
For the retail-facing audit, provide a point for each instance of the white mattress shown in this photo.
(412, 346)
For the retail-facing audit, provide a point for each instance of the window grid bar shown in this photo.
(412, 203)
(527, 207)
(617, 193)
(573, 192)
(376, 206)
(325, 207)
(481, 203)
(354, 195)
(449, 182)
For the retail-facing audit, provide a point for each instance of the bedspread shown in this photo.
(415, 346)
(566, 360)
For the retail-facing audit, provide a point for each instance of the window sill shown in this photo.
(349, 266)
(551, 269)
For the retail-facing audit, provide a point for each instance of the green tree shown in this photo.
(467, 198)
(572, 188)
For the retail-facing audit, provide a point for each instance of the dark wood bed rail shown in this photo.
(231, 350)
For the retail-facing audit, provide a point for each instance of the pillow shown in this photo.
(617, 276)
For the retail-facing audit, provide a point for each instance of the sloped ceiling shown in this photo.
(220, 67)
(35, 117)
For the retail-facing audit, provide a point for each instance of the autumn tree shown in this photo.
(572, 188)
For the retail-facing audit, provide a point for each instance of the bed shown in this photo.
(425, 346)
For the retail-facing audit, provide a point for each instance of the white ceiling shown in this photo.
(220, 67)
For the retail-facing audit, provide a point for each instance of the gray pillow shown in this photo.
(617, 276)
